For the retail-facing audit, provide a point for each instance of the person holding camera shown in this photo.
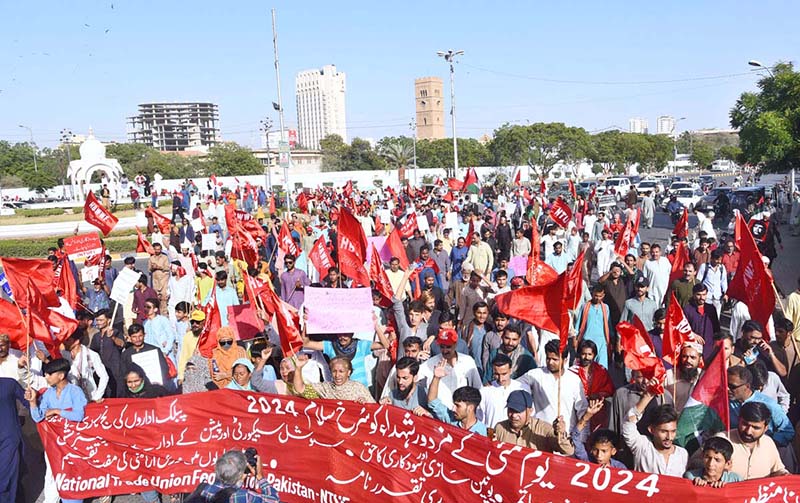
(231, 470)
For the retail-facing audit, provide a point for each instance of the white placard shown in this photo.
(451, 220)
(510, 209)
(89, 274)
(124, 284)
(197, 225)
(422, 222)
(385, 216)
(209, 242)
(148, 360)
(141, 220)
(390, 204)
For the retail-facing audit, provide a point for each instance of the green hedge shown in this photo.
(37, 248)
(40, 212)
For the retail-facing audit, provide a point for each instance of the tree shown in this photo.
(769, 121)
(545, 141)
(730, 152)
(230, 159)
(361, 157)
(702, 155)
(398, 156)
(334, 150)
(510, 145)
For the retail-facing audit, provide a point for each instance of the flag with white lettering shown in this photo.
(96, 214)
(561, 213)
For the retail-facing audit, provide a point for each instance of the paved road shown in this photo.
(785, 270)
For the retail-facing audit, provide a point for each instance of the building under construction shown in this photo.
(175, 126)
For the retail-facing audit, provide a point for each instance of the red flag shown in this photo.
(40, 272)
(272, 209)
(538, 305)
(396, 247)
(518, 178)
(681, 259)
(572, 190)
(752, 283)
(352, 246)
(409, 226)
(96, 214)
(142, 244)
(64, 281)
(379, 227)
(624, 239)
(348, 188)
(676, 331)
(708, 410)
(320, 257)
(46, 325)
(286, 242)
(288, 321)
(681, 229)
(13, 324)
(214, 181)
(560, 212)
(471, 178)
(244, 247)
(448, 197)
(163, 223)
(378, 276)
(638, 350)
(538, 273)
(454, 184)
(542, 187)
(302, 202)
(470, 231)
(207, 340)
(572, 297)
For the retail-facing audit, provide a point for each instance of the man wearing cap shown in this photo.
(523, 429)
(687, 373)
(460, 368)
(640, 305)
(466, 400)
(186, 259)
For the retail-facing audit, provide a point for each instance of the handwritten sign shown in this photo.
(422, 222)
(150, 364)
(83, 246)
(366, 452)
(519, 266)
(124, 284)
(209, 242)
(90, 273)
(339, 310)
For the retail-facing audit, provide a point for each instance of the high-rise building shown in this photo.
(320, 105)
(637, 125)
(175, 126)
(430, 108)
(666, 124)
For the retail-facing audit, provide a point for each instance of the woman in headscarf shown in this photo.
(137, 385)
(341, 388)
(242, 370)
(223, 357)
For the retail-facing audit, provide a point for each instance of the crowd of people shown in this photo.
(442, 347)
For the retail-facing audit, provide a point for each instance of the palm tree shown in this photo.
(398, 155)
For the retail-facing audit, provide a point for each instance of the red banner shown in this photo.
(82, 246)
(97, 215)
(560, 212)
(320, 257)
(331, 451)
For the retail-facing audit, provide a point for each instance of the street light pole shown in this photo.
(758, 64)
(413, 125)
(280, 109)
(675, 144)
(66, 140)
(266, 126)
(33, 145)
(450, 57)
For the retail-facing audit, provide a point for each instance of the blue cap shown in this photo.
(519, 401)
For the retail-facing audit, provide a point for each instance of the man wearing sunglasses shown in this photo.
(293, 283)
(740, 392)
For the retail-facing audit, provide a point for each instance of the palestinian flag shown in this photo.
(706, 412)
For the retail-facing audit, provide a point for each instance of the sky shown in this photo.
(76, 65)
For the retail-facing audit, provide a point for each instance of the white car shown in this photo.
(617, 186)
(689, 197)
(650, 187)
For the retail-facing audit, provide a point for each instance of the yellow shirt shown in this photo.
(188, 346)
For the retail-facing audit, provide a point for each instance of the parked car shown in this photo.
(706, 182)
(716, 200)
(746, 200)
(634, 179)
(649, 186)
(585, 188)
(618, 186)
(689, 197)
(721, 165)
(678, 185)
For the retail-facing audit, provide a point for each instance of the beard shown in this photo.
(403, 394)
(688, 374)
